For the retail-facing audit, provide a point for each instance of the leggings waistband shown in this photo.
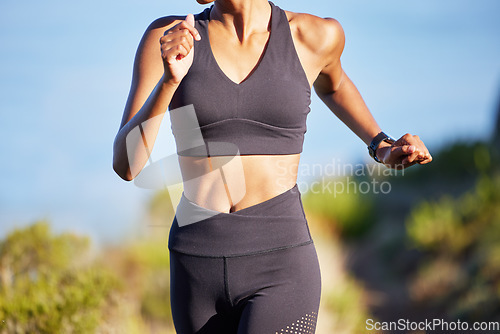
(273, 224)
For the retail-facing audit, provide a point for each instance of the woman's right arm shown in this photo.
(158, 70)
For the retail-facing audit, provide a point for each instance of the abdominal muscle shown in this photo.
(228, 184)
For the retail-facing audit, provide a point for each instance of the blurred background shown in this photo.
(83, 251)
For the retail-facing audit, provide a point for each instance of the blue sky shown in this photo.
(426, 67)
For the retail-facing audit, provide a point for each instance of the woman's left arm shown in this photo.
(339, 93)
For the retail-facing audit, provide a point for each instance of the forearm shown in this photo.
(136, 137)
(348, 105)
(342, 97)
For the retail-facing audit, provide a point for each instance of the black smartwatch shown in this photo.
(372, 148)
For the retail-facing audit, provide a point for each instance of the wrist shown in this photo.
(382, 151)
(170, 82)
(379, 146)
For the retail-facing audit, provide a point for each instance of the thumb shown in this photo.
(403, 150)
(190, 19)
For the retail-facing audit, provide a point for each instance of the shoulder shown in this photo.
(323, 36)
(158, 26)
(149, 44)
(148, 59)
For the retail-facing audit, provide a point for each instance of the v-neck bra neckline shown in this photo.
(264, 114)
(258, 65)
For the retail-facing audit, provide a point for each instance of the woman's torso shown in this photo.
(229, 184)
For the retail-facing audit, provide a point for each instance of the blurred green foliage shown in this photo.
(435, 248)
(454, 169)
(461, 240)
(455, 225)
(160, 209)
(345, 210)
(339, 211)
(57, 284)
(458, 235)
(347, 306)
(144, 270)
(48, 284)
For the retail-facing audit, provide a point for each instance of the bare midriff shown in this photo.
(228, 184)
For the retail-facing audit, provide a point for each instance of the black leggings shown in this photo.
(254, 271)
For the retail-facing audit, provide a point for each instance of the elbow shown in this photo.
(123, 172)
(122, 168)
(120, 162)
(324, 95)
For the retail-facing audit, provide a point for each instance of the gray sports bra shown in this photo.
(264, 114)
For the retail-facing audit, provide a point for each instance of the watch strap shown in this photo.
(372, 148)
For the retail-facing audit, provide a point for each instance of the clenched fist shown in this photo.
(405, 152)
(177, 49)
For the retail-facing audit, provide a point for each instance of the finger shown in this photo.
(400, 151)
(190, 19)
(175, 53)
(171, 35)
(418, 155)
(414, 141)
(414, 157)
(399, 155)
(183, 38)
(411, 154)
(188, 24)
(423, 152)
(426, 160)
(187, 44)
(185, 25)
(404, 140)
(422, 156)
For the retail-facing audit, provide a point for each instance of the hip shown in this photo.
(273, 224)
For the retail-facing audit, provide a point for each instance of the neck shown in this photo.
(244, 17)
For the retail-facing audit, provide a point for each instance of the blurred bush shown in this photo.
(430, 248)
(340, 206)
(48, 284)
(160, 209)
(338, 210)
(346, 304)
(460, 239)
(56, 284)
(454, 169)
(143, 267)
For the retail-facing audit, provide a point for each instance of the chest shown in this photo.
(226, 48)
(261, 80)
